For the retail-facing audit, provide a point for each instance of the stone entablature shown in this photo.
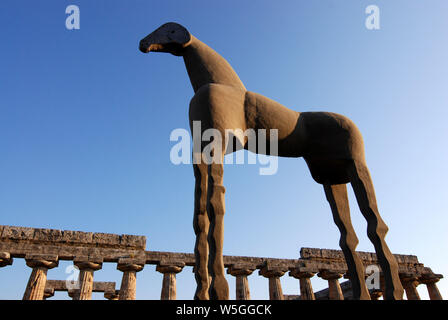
(71, 238)
(334, 259)
(43, 248)
(98, 286)
(108, 288)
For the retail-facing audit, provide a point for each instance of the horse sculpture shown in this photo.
(331, 145)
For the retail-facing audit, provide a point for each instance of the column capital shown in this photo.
(330, 275)
(429, 278)
(48, 293)
(169, 269)
(240, 270)
(170, 266)
(410, 283)
(88, 263)
(72, 292)
(334, 287)
(375, 294)
(299, 273)
(272, 270)
(111, 295)
(41, 261)
(5, 259)
(129, 264)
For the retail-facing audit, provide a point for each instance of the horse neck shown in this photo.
(204, 65)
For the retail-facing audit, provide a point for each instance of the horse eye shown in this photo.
(172, 31)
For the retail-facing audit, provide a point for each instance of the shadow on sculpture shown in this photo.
(331, 145)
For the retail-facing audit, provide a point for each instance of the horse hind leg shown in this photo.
(338, 200)
(376, 228)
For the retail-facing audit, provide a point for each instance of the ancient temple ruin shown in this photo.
(44, 248)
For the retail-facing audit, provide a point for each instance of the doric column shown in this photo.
(240, 272)
(38, 278)
(87, 266)
(48, 293)
(5, 259)
(73, 293)
(334, 288)
(306, 289)
(129, 267)
(376, 294)
(430, 281)
(273, 273)
(111, 295)
(410, 283)
(169, 270)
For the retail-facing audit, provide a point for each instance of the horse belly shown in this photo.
(331, 136)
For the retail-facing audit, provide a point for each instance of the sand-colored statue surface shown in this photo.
(331, 145)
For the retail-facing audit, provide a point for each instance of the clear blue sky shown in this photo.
(85, 120)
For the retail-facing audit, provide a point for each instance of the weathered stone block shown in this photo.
(332, 254)
(47, 235)
(138, 261)
(77, 237)
(17, 233)
(93, 259)
(46, 257)
(137, 242)
(310, 253)
(107, 239)
(365, 256)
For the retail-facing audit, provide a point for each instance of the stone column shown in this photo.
(240, 272)
(334, 288)
(306, 289)
(111, 295)
(376, 294)
(5, 259)
(87, 266)
(129, 267)
(48, 293)
(430, 281)
(410, 283)
(73, 293)
(38, 278)
(169, 270)
(273, 273)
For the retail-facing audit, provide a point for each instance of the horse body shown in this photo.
(327, 141)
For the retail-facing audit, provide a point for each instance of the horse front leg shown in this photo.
(219, 289)
(201, 226)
